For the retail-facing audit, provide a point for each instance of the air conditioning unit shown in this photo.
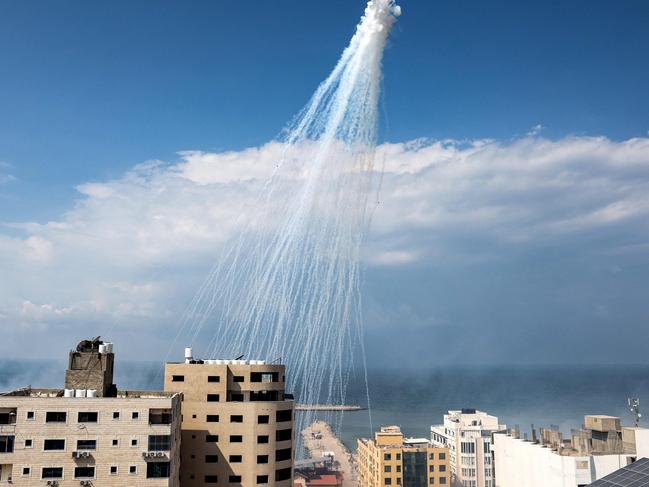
(86, 454)
(85, 482)
(160, 454)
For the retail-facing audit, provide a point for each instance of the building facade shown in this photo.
(237, 426)
(391, 459)
(467, 433)
(548, 460)
(72, 437)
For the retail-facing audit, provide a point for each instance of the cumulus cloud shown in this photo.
(131, 251)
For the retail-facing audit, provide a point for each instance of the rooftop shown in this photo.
(52, 393)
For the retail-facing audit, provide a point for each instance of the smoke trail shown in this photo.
(288, 287)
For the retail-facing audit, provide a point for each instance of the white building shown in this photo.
(467, 434)
(600, 449)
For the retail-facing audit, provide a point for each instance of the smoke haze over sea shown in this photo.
(417, 398)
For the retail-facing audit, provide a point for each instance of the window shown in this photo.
(115, 414)
(84, 472)
(158, 470)
(387, 468)
(262, 458)
(212, 418)
(27, 470)
(212, 438)
(236, 418)
(263, 419)
(285, 415)
(113, 469)
(262, 439)
(236, 397)
(211, 479)
(283, 454)
(431, 480)
(29, 443)
(213, 378)
(283, 435)
(30, 414)
(264, 377)
(431, 468)
(282, 474)
(86, 444)
(398, 468)
(442, 480)
(50, 445)
(236, 439)
(238, 378)
(387, 456)
(431, 456)
(235, 459)
(115, 442)
(55, 417)
(388, 481)
(235, 479)
(132, 470)
(177, 378)
(468, 447)
(262, 479)
(135, 415)
(212, 398)
(211, 458)
(87, 417)
(52, 473)
(442, 456)
(159, 442)
(442, 468)
(134, 442)
(398, 456)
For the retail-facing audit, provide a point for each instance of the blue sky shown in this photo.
(542, 231)
(88, 90)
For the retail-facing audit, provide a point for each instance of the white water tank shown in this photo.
(103, 348)
(109, 347)
(91, 393)
(68, 393)
(189, 354)
(80, 393)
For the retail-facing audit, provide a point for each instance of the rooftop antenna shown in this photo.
(239, 357)
(634, 407)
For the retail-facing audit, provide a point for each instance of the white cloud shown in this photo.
(131, 251)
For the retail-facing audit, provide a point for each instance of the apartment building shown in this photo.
(89, 433)
(237, 422)
(391, 459)
(601, 447)
(467, 433)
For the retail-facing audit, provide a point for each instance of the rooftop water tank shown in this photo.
(68, 393)
(92, 393)
(80, 393)
(103, 348)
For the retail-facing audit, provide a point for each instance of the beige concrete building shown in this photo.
(72, 437)
(468, 435)
(391, 459)
(237, 422)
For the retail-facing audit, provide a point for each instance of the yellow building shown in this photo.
(391, 459)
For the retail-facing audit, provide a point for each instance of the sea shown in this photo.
(415, 399)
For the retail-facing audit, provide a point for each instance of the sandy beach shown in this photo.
(329, 442)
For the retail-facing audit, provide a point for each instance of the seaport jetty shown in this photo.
(328, 407)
